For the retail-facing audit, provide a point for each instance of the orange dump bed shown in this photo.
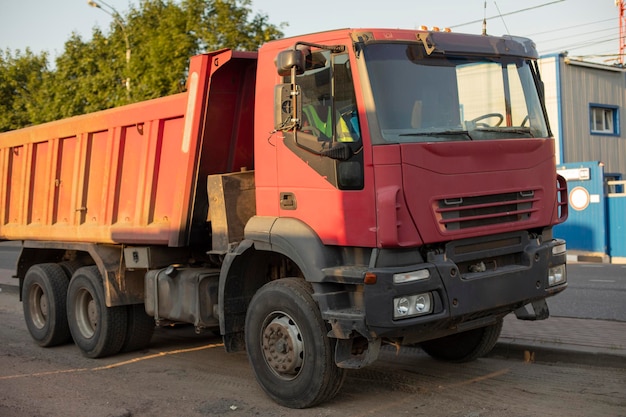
(134, 174)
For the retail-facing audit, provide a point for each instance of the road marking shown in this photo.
(114, 365)
(602, 280)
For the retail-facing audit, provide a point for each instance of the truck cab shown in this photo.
(419, 201)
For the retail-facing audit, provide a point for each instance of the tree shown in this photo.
(94, 74)
(21, 78)
(226, 24)
(88, 77)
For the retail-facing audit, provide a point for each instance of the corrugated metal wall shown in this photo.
(582, 85)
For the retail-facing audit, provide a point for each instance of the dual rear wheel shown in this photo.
(58, 308)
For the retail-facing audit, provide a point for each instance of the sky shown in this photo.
(584, 28)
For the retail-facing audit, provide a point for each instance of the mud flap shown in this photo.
(540, 311)
(345, 359)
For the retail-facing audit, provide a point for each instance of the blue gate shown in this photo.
(586, 227)
(616, 211)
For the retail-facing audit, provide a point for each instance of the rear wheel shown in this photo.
(288, 346)
(465, 346)
(139, 329)
(44, 294)
(97, 330)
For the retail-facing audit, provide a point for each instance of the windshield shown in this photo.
(428, 98)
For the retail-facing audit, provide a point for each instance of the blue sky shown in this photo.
(582, 27)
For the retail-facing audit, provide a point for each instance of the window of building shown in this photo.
(604, 119)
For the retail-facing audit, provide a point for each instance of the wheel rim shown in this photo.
(38, 306)
(87, 316)
(282, 345)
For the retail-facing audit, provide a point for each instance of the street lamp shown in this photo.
(117, 18)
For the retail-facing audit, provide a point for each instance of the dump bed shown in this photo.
(134, 174)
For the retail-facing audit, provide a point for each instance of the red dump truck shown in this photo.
(310, 201)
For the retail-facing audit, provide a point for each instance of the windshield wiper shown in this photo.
(521, 131)
(441, 133)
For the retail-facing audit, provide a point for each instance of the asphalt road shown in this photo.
(184, 374)
(595, 291)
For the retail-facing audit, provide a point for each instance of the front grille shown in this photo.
(477, 211)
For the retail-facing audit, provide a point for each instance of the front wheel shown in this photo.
(465, 346)
(288, 346)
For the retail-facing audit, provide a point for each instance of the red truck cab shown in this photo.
(432, 218)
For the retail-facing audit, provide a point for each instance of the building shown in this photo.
(586, 103)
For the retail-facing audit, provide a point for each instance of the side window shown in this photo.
(328, 102)
(329, 138)
(604, 120)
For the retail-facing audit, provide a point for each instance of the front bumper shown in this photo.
(472, 283)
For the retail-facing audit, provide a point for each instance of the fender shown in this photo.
(294, 239)
(240, 278)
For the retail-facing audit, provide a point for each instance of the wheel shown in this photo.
(97, 330)
(288, 347)
(70, 267)
(44, 293)
(139, 329)
(466, 346)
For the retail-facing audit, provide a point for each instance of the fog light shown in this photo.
(421, 304)
(412, 305)
(557, 275)
(402, 307)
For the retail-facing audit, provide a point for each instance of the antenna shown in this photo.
(501, 17)
(485, 18)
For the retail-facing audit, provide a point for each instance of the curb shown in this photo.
(531, 352)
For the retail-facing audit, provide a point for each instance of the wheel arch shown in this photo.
(121, 287)
(279, 248)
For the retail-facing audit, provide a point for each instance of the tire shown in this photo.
(44, 293)
(288, 347)
(466, 346)
(70, 267)
(97, 330)
(139, 329)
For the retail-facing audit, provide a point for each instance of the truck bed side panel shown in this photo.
(134, 174)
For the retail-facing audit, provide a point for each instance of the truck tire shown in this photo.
(139, 329)
(70, 267)
(97, 330)
(288, 347)
(44, 294)
(466, 346)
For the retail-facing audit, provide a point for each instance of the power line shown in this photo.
(569, 27)
(581, 45)
(507, 14)
(577, 34)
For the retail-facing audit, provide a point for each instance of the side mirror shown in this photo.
(286, 60)
(284, 99)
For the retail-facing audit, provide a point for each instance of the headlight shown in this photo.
(412, 305)
(411, 276)
(559, 249)
(557, 275)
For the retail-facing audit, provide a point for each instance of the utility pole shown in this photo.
(120, 22)
(622, 28)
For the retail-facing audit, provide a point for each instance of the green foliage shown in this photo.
(145, 55)
(21, 78)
